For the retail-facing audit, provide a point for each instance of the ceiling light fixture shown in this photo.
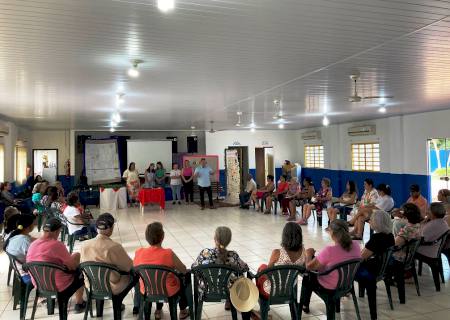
(325, 121)
(253, 125)
(116, 117)
(113, 124)
(133, 71)
(120, 97)
(281, 126)
(252, 129)
(238, 123)
(166, 5)
(382, 109)
(112, 129)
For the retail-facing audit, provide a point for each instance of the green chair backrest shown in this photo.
(99, 275)
(213, 280)
(283, 281)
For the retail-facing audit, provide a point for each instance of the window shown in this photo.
(21, 164)
(314, 156)
(366, 156)
(2, 162)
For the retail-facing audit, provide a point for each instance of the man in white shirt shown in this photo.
(244, 197)
(203, 175)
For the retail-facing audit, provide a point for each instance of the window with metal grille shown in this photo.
(314, 156)
(366, 156)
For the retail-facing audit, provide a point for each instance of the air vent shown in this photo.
(362, 130)
(311, 135)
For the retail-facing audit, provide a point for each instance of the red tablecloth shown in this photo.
(155, 195)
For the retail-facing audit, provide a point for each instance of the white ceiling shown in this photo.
(62, 61)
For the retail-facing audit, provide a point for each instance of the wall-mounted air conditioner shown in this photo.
(311, 135)
(366, 130)
(4, 130)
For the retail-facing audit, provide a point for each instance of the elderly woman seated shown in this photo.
(322, 200)
(379, 243)
(343, 249)
(383, 202)
(155, 254)
(220, 255)
(265, 193)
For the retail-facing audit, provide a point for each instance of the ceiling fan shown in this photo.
(357, 98)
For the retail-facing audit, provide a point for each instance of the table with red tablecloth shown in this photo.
(153, 195)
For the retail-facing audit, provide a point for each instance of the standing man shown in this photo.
(244, 197)
(203, 174)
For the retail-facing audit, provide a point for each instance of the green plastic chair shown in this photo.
(371, 287)
(21, 290)
(211, 285)
(283, 288)
(71, 238)
(99, 289)
(436, 262)
(44, 276)
(332, 298)
(154, 278)
(398, 270)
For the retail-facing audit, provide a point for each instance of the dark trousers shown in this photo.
(188, 189)
(309, 284)
(367, 281)
(244, 197)
(117, 299)
(183, 303)
(202, 195)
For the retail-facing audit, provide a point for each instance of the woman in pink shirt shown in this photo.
(344, 249)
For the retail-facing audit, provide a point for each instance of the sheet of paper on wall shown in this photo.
(102, 161)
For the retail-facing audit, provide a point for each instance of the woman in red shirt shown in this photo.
(157, 255)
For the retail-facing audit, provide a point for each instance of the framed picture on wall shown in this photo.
(45, 164)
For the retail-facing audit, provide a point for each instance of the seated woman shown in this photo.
(264, 193)
(19, 241)
(444, 198)
(410, 231)
(220, 255)
(319, 202)
(293, 190)
(346, 202)
(342, 250)
(292, 252)
(157, 255)
(52, 199)
(379, 243)
(60, 189)
(39, 191)
(5, 194)
(11, 216)
(80, 224)
(149, 176)
(302, 197)
(434, 227)
(383, 202)
(280, 193)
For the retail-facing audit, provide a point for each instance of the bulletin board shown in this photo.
(212, 161)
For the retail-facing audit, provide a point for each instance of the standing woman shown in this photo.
(133, 184)
(160, 175)
(175, 183)
(149, 176)
(187, 177)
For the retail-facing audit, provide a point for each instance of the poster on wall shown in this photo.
(233, 176)
(45, 164)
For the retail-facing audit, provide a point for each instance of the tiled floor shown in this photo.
(189, 229)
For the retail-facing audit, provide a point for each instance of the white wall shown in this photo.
(17, 135)
(403, 141)
(283, 142)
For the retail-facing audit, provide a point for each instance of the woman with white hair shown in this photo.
(379, 243)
